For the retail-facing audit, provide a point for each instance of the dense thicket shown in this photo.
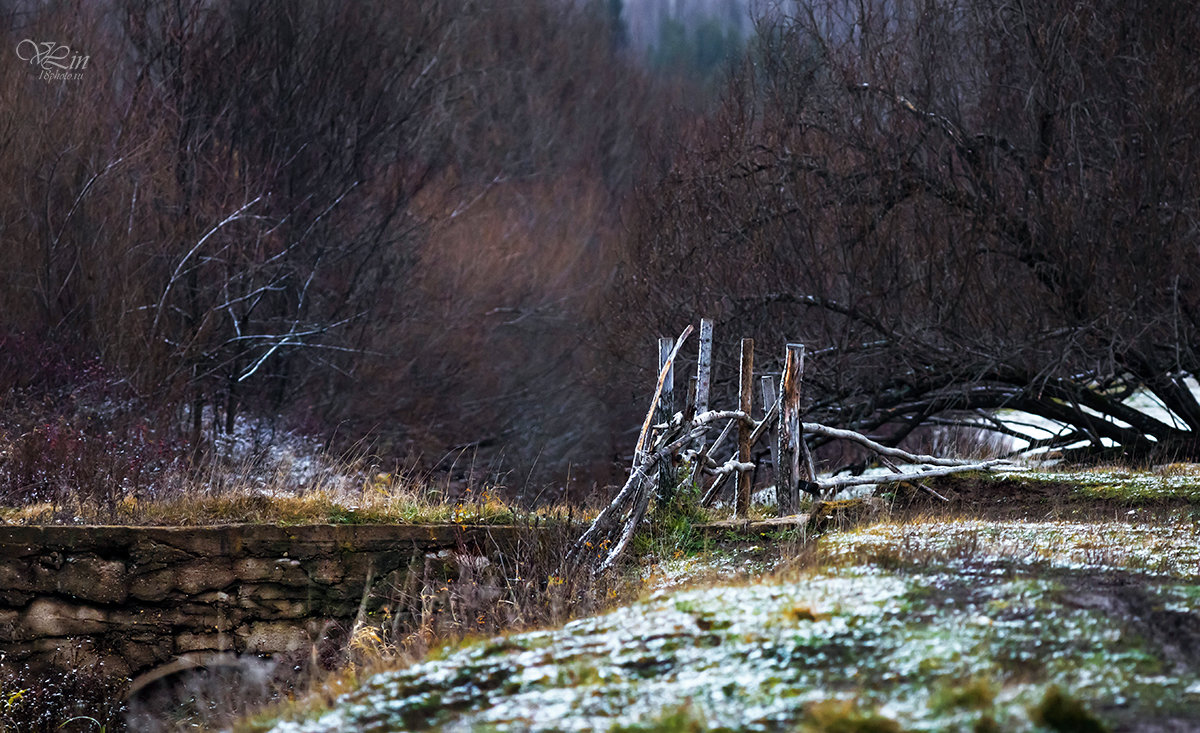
(458, 225)
(965, 205)
(385, 218)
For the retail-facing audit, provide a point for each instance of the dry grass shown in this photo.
(315, 508)
(430, 615)
(437, 604)
(271, 490)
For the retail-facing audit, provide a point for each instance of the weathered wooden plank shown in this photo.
(658, 385)
(741, 507)
(666, 410)
(787, 475)
(768, 397)
(666, 398)
(704, 365)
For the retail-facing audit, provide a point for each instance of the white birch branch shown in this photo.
(883, 450)
(733, 465)
(179, 268)
(841, 483)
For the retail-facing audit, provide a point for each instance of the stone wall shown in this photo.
(140, 599)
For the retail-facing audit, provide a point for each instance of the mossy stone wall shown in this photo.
(134, 599)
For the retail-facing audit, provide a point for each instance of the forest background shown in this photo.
(447, 233)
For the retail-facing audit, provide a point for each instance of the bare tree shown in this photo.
(376, 216)
(972, 205)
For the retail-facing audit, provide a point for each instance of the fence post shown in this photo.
(689, 402)
(741, 507)
(704, 365)
(666, 409)
(790, 441)
(768, 398)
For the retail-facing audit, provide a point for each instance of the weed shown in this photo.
(1060, 712)
(1178, 469)
(978, 693)
(673, 528)
(681, 719)
(87, 700)
(100, 727)
(439, 606)
(845, 716)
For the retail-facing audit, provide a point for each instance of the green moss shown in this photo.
(1141, 490)
(499, 648)
(712, 622)
(578, 674)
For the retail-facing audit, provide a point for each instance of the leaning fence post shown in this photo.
(666, 410)
(741, 507)
(790, 441)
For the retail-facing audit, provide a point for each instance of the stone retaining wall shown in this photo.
(137, 599)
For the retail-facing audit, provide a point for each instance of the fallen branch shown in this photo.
(733, 466)
(615, 525)
(921, 485)
(833, 485)
(603, 531)
(702, 460)
(812, 428)
(759, 429)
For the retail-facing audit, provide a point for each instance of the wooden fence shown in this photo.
(671, 437)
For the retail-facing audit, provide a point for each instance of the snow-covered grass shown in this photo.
(922, 624)
(1174, 481)
(1170, 550)
(926, 648)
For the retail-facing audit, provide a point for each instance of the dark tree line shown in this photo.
(459, 225)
